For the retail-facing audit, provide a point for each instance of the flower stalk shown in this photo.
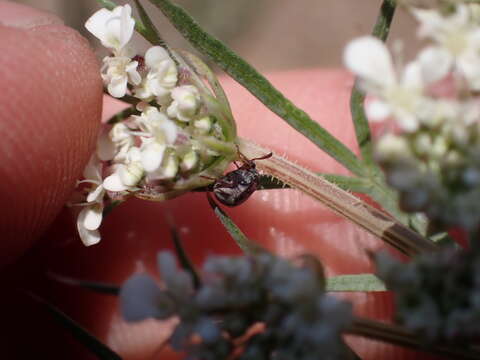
(344, 203)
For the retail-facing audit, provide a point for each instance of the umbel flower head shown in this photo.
(432, 155)
(235, 295)
(177, 135)
(437, 295)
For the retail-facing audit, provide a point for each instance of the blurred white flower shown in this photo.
(369, 59)
(457, 44)
(185, 104)
(161, 78)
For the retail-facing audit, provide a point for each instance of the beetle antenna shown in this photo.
(269, 155)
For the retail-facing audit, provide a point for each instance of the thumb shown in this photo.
(51, 106)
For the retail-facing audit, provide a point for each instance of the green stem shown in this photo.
(342, 202)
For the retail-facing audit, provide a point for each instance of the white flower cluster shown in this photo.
(157, 147)
(433, 155)
(404, 93)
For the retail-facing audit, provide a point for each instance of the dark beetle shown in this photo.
(235, 187)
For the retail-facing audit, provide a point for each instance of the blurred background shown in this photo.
(270, 34)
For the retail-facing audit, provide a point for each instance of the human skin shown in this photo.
(51, 109)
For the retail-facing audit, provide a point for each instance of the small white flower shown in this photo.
(392, 146)
(88, 222)
(90, 217)
(113, 28)
(152, 155)
(457, 39)
(189, 161)
(157, 125)
(117, 72)
(186, 102)
(204, 125)
(115, 144)
(93, 174)
(161, 78)
(126, 175)
(166, 170)
(401, 97)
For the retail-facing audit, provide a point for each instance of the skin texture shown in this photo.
(51, 108)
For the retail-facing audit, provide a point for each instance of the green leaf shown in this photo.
(122, 115)
(357, 282)
(248, 246)
(102, 351)
(183, 257)
(258, 85)
(146, 28)
(110, 5)
(98, 287)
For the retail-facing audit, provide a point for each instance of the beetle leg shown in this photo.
(207, 177)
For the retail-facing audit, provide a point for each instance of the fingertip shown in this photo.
(51, 105)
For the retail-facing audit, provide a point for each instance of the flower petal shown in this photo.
(152, 156)
(96, 23)
(114, 182)
(92, 169)
(127, 25)
(369, 58)
(377, 110)
(89, 237)
(96, 195)
(412, 76)
(155, 55)
(435, 62)
(105, 147)
(117, 87)
(91, 216)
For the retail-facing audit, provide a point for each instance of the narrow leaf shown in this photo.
(146, 27)
(122, 115)
(110, 5)
(183, 257)
(258, 85)
(248, 246)
(102, 351)
(98, 287)
(357, 282)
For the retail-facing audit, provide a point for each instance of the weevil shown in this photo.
(235, 187)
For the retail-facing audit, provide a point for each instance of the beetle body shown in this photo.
(235, 187)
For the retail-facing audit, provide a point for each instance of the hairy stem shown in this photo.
(344, 203)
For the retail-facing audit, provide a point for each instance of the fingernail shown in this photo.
(24, 17)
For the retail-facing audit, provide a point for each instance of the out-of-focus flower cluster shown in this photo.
(259, 307)
(432, 153)
(177, 132)
(437, 295)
